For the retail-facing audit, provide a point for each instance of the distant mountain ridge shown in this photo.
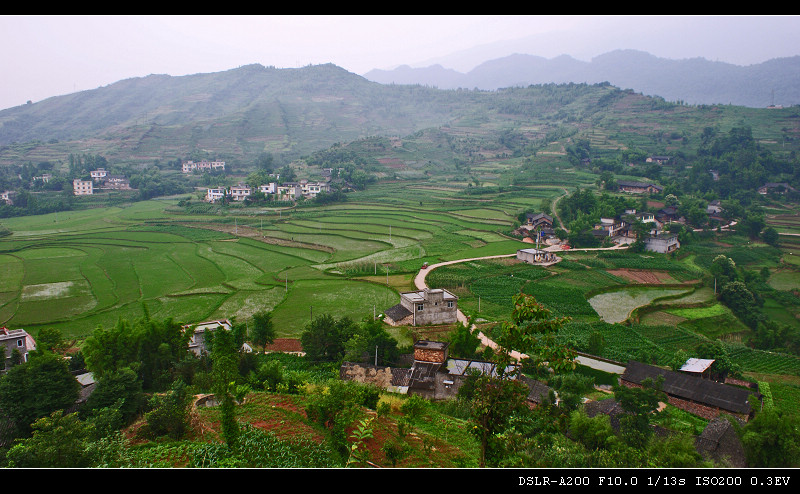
(693, 81)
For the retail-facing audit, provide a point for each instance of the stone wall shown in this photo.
(367, 374)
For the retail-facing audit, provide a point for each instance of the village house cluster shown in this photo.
(202, 166)
(288, 191)
(100, 179)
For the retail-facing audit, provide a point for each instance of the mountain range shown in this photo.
(691, 81)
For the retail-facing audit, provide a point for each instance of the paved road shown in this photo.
(419, 282)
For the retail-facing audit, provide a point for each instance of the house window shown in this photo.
(450, 304)
(19, 343)
(419, 306)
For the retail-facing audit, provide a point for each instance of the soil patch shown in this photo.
(643, 276)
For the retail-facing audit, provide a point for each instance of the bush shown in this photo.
(170, 414)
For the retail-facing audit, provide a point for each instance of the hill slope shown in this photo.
(695, 81)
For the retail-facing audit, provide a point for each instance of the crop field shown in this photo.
(80, 269)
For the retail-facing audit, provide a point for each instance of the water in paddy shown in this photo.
(616, 306)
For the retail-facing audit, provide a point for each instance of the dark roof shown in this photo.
(423, 375)
(686, 386)
(539, 391)
(397, 312)
(628, 183)
(720, 442)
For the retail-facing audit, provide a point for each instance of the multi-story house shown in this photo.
(15, 339)
(82, 187)
(203, 166)
(240, 192)
(216, 194)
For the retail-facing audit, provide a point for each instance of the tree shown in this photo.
(463, 342)
(772, 440)
(170, 412)
(640, 403)
(324, 338)
(225, 370)
(371, 341)
(120, 389)
(723, 269)
(58, 441)
(262, 332)
(770, 236)
(532, 331)
(36, 389)
(50, 339)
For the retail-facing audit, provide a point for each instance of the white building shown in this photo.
(82, 187)
(15, 339)
(98, 174)
(203, 166)
(240, 192)
(197, 343)
(217, 194)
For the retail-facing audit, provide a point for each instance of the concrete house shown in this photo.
(639, 187)
(8, 196)
(663, 244)
(197, 344)
(536, 256)
(216, 194)
(15, 339)
(428, 306)
(99, 174)
(82, 187)
(203, 166)
(240, 192)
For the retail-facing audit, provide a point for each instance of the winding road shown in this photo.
(419, 282)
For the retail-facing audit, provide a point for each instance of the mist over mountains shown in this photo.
(692, 81)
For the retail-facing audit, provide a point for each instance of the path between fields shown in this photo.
(419, 282)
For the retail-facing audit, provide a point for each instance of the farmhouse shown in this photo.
(778, 187)
(203, 166)
(701, 397)
(99, 174)
(698, 367)
(240, 192)
(15, 339)
(661, 160)
(540, 220)
(216, 194)
(197, 343)
(536, 256)
(8, 196)
(433, 375)
(82, 187)
(116, 182)
(289, 191)
(428, 306)
(663, 244)
(311, 189)
(639, 187)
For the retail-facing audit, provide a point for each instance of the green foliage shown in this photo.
(325, 337)
(640, 403)
(35, 389)
(119, 389)
(259, 449)
(169, 415)
(263, 330)
(771, 440)
(58, 441)
(370, 341)
(224, 356)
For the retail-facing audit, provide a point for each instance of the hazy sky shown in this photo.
(45, 56)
